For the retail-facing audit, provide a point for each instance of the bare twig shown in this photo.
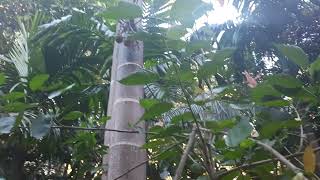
(185, 154)
(301, 128)
(257, 163)
(279, 156)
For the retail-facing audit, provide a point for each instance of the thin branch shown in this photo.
(301, 128)
(279, 156)
(184, 157)
(257, 163)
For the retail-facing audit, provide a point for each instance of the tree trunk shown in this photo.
(125, 148)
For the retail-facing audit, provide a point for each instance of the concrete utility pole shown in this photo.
(125, 148)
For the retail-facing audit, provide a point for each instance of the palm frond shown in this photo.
(19, 54)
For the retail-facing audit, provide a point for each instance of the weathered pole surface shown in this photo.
(125, 148)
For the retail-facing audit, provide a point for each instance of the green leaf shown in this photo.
(285, 81)
(6, 124)
(314, 68)
(176, 32)
(222, 55)
(238, 133)
(148, 103)
(155, 144)
(295, 54)
(157, 110)
(2, 78)
(37, 81)
(188, 11)
(265, 94)
(218, 60)
(18, 107)
(185, 117)
(73, 115)
(14, 96)
(40, 126)
(140, 78)
(220, 125)
(124, 10)
(271, 128)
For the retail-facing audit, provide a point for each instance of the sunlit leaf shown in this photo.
(14, 96)
(309, 159)
(238, 133)
(295, 54)
(315, 68)
(176, 32)
(185, 117)
(218, 60)
(124, 10)
(18, 106)
(140, 78)
(157, 109)
(37, 81)
(2, 78)
(6, 124)
(73, 115)
(148, 103)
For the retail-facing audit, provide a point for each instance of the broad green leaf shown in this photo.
(124, 10)
(73, 115)
(222, 55)
(233, 154)
(18, 107)
(309, 159)
(2, 78)
(155, 144)
(176, 32)
(104, 119)
(285, 84)
(14, 96)
(37, 81)
(265, 94)
(218, 60)
(188, 11)
(271, 128)
(238, 133)
(285, 81)
(247, 143)
(140, 78)
(185, 117)
(314, 68)
(40, 126)
(6, 124)
(167, 155)
(148, 103)
(220, 125)
(295, 54)
(156, 110)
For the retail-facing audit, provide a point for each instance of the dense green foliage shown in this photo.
(242, 83)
